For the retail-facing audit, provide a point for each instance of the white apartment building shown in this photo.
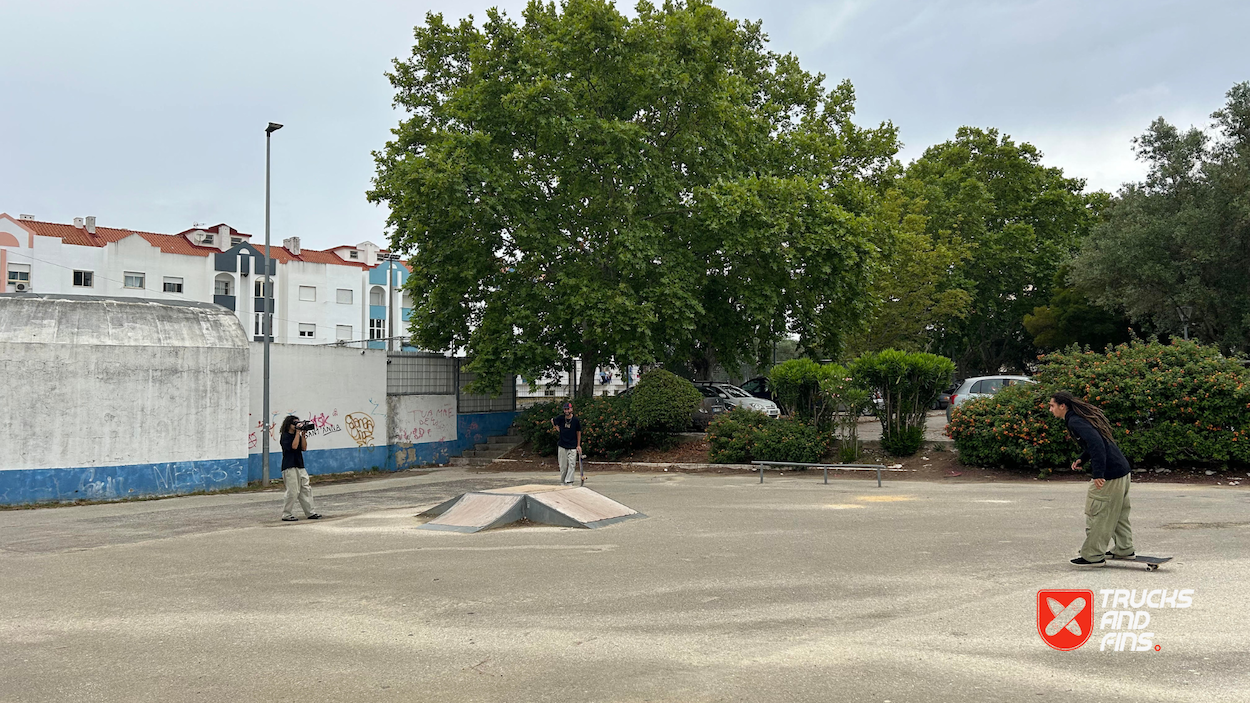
(348, 294)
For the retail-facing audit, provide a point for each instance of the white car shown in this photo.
(735, 397)
(982, 387)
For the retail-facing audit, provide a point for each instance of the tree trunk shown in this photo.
(586, 383)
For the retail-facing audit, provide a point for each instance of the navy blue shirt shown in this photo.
(1104, 459)
(292, 458)
(568, 431)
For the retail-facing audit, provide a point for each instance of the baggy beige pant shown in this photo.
(297, 486)
(1106, 519)
(568, 464)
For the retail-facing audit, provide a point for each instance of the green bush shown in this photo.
(908, 384)
(1167, 403)
(664, 402)
(608, 427)
(534, 424)
(789, 440)
(731, 436)
(797, 384)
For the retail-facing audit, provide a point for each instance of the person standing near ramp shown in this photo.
(569, 446)
(1106, 502)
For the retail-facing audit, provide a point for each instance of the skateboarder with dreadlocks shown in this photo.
(1106, 502)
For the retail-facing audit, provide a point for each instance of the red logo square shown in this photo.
(1065, 618)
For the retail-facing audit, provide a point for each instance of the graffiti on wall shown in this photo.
(360, 428)
(435, 425)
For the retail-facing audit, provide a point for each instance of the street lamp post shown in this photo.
(267, 322)
(1185, 311)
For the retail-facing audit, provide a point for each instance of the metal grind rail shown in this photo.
(837, 467)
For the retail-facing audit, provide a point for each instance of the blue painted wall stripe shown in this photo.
(24, 486)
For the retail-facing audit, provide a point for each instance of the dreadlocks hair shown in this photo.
(1091, 413)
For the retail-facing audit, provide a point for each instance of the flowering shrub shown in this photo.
(731, 436)
(1167, 403)
(608, 427)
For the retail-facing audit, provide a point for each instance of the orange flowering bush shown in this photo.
(1167, 403)
(608, 426)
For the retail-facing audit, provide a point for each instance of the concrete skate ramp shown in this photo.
(473, 512)
(563, 506)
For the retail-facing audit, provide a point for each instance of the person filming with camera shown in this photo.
(294, 441)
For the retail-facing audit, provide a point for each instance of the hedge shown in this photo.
(1168, 404)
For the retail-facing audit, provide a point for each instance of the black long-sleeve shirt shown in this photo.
(1104, 459)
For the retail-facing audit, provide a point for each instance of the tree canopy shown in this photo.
(657, 188)
(1008, 223)
(1178, 244)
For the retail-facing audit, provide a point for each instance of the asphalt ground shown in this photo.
(728, 591)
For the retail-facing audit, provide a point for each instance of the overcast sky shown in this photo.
(150, 114)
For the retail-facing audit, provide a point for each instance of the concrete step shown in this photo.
(469, 461)
(506, 439)
(487, 453)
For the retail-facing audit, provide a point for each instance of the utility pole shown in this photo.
(266, 287)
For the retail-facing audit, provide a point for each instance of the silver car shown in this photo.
(981, 387)
(735, 397)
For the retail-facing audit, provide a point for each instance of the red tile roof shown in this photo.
(174, 243)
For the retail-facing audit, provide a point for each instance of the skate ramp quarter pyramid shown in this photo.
(564, 506)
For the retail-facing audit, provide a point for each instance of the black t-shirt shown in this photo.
(292, 458)
(568, 431)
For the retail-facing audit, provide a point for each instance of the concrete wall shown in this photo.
(341, 390)
(110, 398)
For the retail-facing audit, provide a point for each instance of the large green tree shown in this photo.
(1177, 245)
(657, 188)
(1014, 222)
(917, 292)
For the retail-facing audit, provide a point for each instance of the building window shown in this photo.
(19, 277)
(345, 296)
(353, 254)
(259, 292)
(343, 333)
(208, 239)
(377, 329)
(307, 331)
(308, 293)
(377, 296)
(84, 279)
(236, 240)
(133, 279)
(221, 287)
(173, 285)
(259, 321)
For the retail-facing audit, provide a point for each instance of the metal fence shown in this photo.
(505, 400)
(419, 373)
(415, 373)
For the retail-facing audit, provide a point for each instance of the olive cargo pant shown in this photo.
(1106, 519)
(297, 487)
(568, 464)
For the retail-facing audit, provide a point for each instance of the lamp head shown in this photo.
(273, 127)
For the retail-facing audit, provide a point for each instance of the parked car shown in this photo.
(735, 397)
(981, 387)
(711, 406)
(760, 387)
(944, 398)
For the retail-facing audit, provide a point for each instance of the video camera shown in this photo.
(304, 426)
